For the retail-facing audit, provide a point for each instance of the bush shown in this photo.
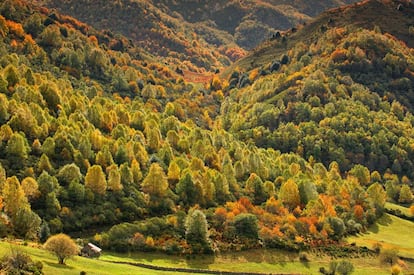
(411, 30)
(344, 268)
(377, 247)
(246, 226)
(18, 262)
(395, 269)
(284, 59)
(389, 256)
(303, 257)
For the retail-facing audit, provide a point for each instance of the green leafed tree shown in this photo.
(26, 223)
(406, 196)
(196, 231)
(255, 189)
(377, 197)
(127, 174)
(50, 94)
(76, 191)
(307, 191)
(246, 225)
(68, 173)
(136, 172)
(47, 204)
(11, 75)
(186, 190)
(17, 148)
(361, 173)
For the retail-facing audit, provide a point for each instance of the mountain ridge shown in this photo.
(217, 32)
(351, 16)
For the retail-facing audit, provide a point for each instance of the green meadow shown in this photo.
(404, 210)
(76, 264)
(391, 232)
(265, 261)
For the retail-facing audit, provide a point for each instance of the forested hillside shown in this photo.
(165, 34)
(97, 135)
(195, 34)
(343, 93)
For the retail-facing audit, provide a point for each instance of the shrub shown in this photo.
(303, 257)
(411, 30)
(284, 59)
(344, 268)
(389, 256)
(377, 247)
(18, 262)
(246, 226)
(395, 269)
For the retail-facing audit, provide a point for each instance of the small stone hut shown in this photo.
(91, 251)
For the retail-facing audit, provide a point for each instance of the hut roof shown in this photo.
(94, 248)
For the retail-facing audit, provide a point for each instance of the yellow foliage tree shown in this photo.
(30, 188)
(13, 196)
(136, 171)
(155, 184)
(95, 179)
(289, 194)
(114, 178)
(173, 173)
(62, 246)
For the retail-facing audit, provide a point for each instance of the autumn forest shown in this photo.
(293, 143)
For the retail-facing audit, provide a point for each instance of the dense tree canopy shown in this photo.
(300, 152)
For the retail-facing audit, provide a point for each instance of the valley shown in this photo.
(244, 136)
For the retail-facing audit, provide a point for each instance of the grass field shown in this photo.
(391, 232)
(265, 261)
(75, 265)
(393, 206)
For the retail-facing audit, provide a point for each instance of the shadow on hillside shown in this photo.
(271, 256)
(153, 261)
(56, 265)
(384, 220)
(200, 261)
(305, 264)
(373, 228)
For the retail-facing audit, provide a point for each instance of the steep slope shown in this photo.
(164, 34)
(337, 90)
(250, 21)
(200, 34)
(367, 14)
